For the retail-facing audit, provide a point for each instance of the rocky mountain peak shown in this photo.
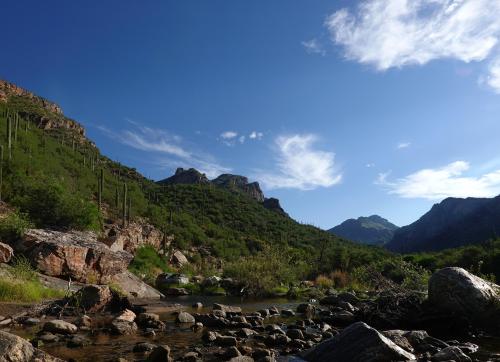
(189, 177)
(240, 183)
(373, 229)
(273, 204)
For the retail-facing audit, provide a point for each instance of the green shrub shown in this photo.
(13, 226)
(147, 264)
(50, 204)
(264, 272)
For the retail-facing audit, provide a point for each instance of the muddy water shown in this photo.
(181, 339)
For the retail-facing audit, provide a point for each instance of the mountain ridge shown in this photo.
(453, 222)
(372, 230)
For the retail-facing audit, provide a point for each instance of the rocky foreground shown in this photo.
(342, 327)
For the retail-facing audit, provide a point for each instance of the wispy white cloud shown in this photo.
(299, 165)
(370, 165)
(439, 183)
(228, 135)
(256, 135)
(313, 46)
(242, 139)
(397, 33)
(402, 145)
(169, 149)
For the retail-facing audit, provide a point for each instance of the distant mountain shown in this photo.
(240, 183)
(186, 177)
(373, 230)
(233, 183)
(453, 222)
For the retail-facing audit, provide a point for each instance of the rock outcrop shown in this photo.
(133, 236)
(6, 253)
(358, 342)
(455, 290)
(16, 349)
(178, 259)
(240, 183)
(78, 255)
(188, 177)
(273, 204)
(48, 116)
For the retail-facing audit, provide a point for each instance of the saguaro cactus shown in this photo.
(1, 171)
(117, 198)
(100, 188)
(124, 205)
(9, 136)
(129, 209)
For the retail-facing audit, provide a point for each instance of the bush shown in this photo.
(340, 279)
(13, 227)
(323, 282)
(147, 264)
(50, 204)
(263, 273)
(398, 271)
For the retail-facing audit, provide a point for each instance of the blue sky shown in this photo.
(338, 108)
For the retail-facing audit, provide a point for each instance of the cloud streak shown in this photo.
(169, 149)
(396, 33)
(443, 182)
(313, 46)
(300, 165)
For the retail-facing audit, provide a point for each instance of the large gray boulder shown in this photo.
(456, 290)
(16, 349)
(358, 342)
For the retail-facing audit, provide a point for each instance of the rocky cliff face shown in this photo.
(45, 114)
(274, 205)
(240, 183)
(186, 177)
(133, 236)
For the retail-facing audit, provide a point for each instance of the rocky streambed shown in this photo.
(97, 325)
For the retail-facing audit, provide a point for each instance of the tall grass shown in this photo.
(24, 285)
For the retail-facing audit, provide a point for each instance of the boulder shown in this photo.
(165, 280)
(76, 255)
(226, 308)
(455, 290)
(451, 354)
(150, 320)
(176, 291)
(126, 315)
(123, 327)
(94, 298)
(160, 354)
(178, 259)
(59, 326)
(133, 236)
(6, 253)
(134, 287)
(184, 317)
(358, 342)
(211, 281)
(16, 349)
